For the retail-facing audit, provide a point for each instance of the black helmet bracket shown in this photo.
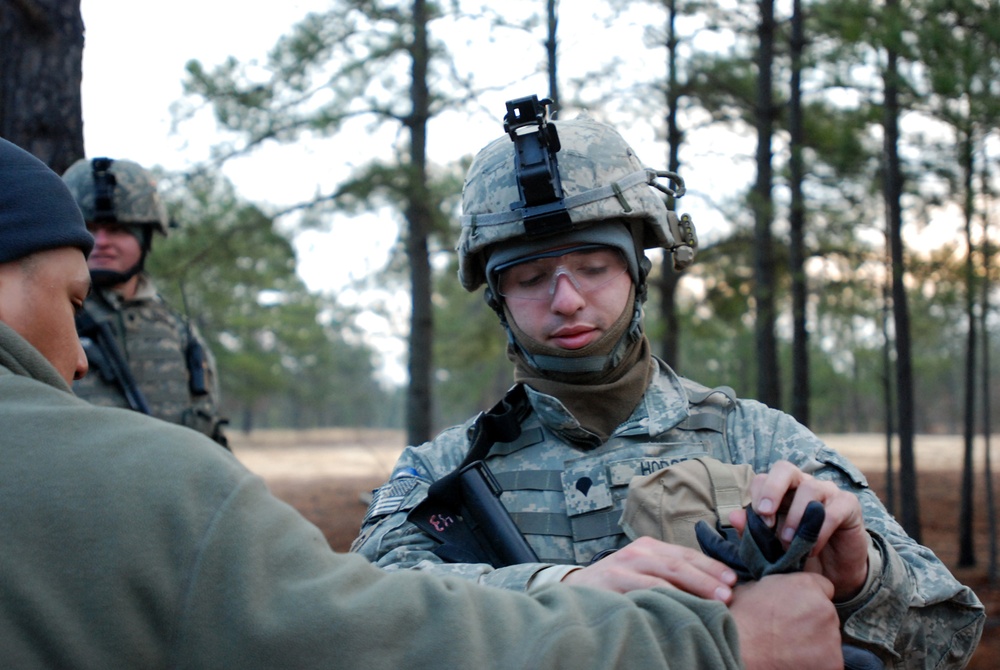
(104, 189)
(536, 144)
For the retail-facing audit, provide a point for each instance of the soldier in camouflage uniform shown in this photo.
(142, 353)
(604, 411)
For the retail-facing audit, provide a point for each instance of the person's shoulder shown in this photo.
(695, 392)
(152, 444)
(48, 420)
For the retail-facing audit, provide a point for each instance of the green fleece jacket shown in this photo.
(129, 542)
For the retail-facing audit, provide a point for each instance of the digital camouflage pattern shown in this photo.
(135, 196)
(153, 339)
(602, 179)
(567, 499)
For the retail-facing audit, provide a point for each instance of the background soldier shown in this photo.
(142, 353)
(555, 226)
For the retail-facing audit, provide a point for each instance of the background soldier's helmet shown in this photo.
(116, 191)
(602, 180)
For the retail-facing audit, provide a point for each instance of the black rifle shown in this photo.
(462, 510)
(103, 352)
(194, 353)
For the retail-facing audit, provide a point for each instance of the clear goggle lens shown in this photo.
(536, 278)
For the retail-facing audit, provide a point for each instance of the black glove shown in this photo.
(758, 553)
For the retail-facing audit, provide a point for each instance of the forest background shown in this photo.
(856, 126)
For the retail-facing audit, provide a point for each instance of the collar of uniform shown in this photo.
(144, 290)
(664, 405)
(554, 415)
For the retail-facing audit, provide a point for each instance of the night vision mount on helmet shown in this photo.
(538, 182)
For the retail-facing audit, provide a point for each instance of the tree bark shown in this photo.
(887, 391)
(768, 384)
(893, 189)
(669, 278)
(552, 52)
(419, 418)
(966, 545)
(984, 314)
(797, 216)
(41, 70)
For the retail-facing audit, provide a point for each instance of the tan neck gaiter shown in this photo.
(600, 401)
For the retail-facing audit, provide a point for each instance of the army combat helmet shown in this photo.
(538, 183)
(540, 188)
(118, 192)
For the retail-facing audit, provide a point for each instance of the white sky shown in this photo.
(133, 65)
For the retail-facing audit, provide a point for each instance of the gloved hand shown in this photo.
(758, 553)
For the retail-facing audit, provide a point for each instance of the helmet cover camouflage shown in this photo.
(602, 180)
(130, 194)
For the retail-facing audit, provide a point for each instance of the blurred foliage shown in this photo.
(286, 357)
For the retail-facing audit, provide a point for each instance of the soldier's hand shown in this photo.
(841, 552)
(648, 563)
(788, 621)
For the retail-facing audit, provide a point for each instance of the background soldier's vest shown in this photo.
(568, 504)
(154, 342)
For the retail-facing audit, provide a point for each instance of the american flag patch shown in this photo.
(389, 497)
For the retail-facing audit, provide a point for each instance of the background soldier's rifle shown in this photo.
(103, 353)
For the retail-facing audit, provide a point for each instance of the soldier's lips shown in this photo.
(574, 338)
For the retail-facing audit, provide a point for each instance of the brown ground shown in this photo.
(324, 473)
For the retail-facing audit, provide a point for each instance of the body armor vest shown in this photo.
(570, 513)
(154, 342)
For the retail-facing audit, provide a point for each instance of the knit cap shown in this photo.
(37, 211)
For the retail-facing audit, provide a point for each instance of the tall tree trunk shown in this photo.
(768, 376)
(669, 278)
(887, 344)
(984, 312)
(419, 419)
(966, 545)
(41, 68)
(552, 53)
(797, 216)
(893, 189)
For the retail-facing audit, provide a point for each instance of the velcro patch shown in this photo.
(389, 498)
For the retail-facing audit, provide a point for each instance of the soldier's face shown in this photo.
(39, 297)
(115, 248)
(570, 317)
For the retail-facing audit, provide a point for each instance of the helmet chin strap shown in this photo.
(112, 278)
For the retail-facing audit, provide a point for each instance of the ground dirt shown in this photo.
(325, 474)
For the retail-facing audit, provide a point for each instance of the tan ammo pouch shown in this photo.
(667, 504)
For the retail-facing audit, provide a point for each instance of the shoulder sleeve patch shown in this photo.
(389, 498)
